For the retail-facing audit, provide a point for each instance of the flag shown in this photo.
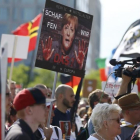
(28, 29)
(101, 65)
(130, 43)
(138, 84)
(72, 81)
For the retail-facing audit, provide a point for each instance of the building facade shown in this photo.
(92, 7)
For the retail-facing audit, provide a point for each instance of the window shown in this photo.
(27, 14)
(42, 2)
(15, 13)
(3, 29)
(27, 1)
(3, 13)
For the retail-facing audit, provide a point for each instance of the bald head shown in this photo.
(61, 89)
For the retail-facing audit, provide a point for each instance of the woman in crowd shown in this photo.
(106, 120)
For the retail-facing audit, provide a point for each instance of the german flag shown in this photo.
(28, 29)
(72, 81)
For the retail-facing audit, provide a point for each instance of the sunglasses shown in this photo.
(117, 120)
(8, 94)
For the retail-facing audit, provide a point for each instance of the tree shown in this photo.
(94, 75)
(40, 76)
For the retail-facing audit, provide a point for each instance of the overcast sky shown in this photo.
(117, 16)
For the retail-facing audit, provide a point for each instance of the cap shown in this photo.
(28, 97)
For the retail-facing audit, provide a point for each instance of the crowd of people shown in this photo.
(27, 113)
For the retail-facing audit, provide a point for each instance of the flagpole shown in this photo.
(34, 53)
(13, 57)
(53, 92)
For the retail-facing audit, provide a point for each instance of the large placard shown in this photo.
(64, 39)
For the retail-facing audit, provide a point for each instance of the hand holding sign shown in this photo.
(47, 48)
(81, 53)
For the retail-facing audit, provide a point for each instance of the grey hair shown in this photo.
(101, 113)
(11, 82)
(61, 89)
(41, 86)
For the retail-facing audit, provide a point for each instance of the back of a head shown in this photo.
(94, 97)
(61, 89)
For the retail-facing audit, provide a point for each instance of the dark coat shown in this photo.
(20, 130)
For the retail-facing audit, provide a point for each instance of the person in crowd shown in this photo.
(64, 100)
(82, 112)
(43, 88)
(8, 100)
(95, 97)
(30, 105)
(11, 118)
(67, 50)
(54, 131)
(106, 120)
(12, 89)
(49, 93)
(130, 104)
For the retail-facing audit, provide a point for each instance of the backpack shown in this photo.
(83, 133)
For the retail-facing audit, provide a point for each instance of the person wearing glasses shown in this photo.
(95, 97)
(106, 120)
(130, 104)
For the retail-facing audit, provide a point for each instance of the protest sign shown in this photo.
(17, 48)
(64, 39)
(112, 89)
(21, 45)
(88, 87)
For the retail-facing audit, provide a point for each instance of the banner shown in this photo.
(89, 86)
(130, 43)
(112, 88)
(64, 39)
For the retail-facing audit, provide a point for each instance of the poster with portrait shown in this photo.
(65, 126)
(64, 39)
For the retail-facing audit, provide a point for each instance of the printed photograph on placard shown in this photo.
(66, 129)
(64, 39)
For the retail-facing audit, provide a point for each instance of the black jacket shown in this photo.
(20, 130)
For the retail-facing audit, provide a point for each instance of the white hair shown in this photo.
(101, 113)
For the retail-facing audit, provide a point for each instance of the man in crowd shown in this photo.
(130, 104)
(30, 105)
(95, 97)
(64, 100)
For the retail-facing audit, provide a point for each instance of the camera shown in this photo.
(135, 73)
